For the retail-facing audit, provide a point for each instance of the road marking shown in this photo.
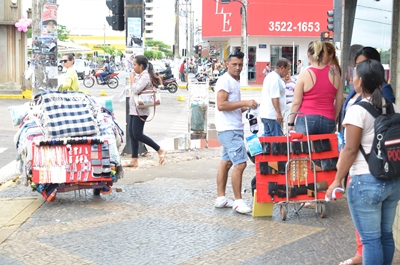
(2, 150)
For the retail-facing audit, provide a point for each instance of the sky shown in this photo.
(372, 25)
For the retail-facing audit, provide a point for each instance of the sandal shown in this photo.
(132, 164)
(162, 157)
(356, 260)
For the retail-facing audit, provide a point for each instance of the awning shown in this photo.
(65, 46)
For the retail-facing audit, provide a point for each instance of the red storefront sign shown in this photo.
(283, 18)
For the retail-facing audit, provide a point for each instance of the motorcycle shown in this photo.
(169, 84)
(110, 80)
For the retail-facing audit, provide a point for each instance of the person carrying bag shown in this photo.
(143, 81)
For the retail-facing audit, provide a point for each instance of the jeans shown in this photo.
(234, 149)
(136, 126)
(271, 127)
(372, 205)
(102, 75)
(317, 124)
(182, 76)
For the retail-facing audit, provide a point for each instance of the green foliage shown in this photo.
(63, 32)
(160, 46)
(111, 50)
(150, 54)
(29, 33)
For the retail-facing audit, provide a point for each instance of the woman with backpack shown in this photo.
(372, 202)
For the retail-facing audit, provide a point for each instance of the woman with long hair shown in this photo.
(142, 79)
(318, 95)
(372, 202)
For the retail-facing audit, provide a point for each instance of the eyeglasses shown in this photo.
(64, 61)
(237, 54)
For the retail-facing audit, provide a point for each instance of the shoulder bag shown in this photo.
(147, 98)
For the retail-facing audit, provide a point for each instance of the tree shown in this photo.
(160, 46)
(63, 32)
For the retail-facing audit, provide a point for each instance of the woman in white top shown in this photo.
(372, 202)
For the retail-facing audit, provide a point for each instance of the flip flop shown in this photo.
(162, 158)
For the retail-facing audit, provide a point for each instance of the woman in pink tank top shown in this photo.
(318, 95)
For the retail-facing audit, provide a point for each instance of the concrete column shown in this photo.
(394, 52)
(348, 14)
(394, 76)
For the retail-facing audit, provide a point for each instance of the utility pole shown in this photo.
(176, 46)
(244, 75)
(187, 40)
(44, 45)
(191, 28)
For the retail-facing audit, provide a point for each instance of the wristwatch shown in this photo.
(290, 124)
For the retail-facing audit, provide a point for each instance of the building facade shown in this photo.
(275, 29)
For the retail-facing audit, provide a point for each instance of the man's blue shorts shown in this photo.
(234, 149)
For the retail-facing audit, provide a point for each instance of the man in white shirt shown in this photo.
(273, 102)
(229, 125)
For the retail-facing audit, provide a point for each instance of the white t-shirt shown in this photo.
(360, 117)
(273, 87)
(228, 120)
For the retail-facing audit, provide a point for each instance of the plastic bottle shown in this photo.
(340, 141)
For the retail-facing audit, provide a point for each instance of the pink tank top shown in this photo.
(319, 100)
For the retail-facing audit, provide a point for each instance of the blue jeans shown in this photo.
(317, 124)
(372, 205)
(102, 75)
(271, 127)
(234, 149)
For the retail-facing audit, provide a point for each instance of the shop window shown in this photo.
(278, 52)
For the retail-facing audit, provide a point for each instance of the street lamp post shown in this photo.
(244, 79)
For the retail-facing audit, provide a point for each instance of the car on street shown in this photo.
(82, 68)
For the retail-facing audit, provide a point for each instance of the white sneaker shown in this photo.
(241, 207)
(223, 202)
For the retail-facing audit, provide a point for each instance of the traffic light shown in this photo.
(117, 20)
(196, 49)
(330, 20)
(199, 49)
(325, 36)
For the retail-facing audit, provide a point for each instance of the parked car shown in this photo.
(60, 65)
(159, 66)
(82, 68)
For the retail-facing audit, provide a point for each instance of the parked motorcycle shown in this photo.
(169, 84)
(110, 80)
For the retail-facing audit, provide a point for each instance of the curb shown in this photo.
(241, 88)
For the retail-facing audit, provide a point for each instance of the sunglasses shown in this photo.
(64, 61)
(237, 54)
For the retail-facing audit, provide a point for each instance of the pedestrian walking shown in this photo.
(182, 71)
(142, 79)
(273, 102)
(372, 202)
(230, 128)
(299, 66)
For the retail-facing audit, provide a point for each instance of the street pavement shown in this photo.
(166, 214)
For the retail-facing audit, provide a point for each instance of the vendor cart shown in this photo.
(69, 142)
(296, 169)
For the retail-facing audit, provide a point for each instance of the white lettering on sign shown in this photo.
(290, 26)
(226, 27)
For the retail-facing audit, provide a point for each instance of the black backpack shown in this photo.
(384, 158)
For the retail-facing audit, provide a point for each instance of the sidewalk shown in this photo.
(166, 215)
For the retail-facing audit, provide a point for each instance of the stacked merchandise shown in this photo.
(67, 141)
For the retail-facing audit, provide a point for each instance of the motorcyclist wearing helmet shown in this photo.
(167, 72)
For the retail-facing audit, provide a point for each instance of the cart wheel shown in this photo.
(283, 211)
(322, 210)
(96, 192)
